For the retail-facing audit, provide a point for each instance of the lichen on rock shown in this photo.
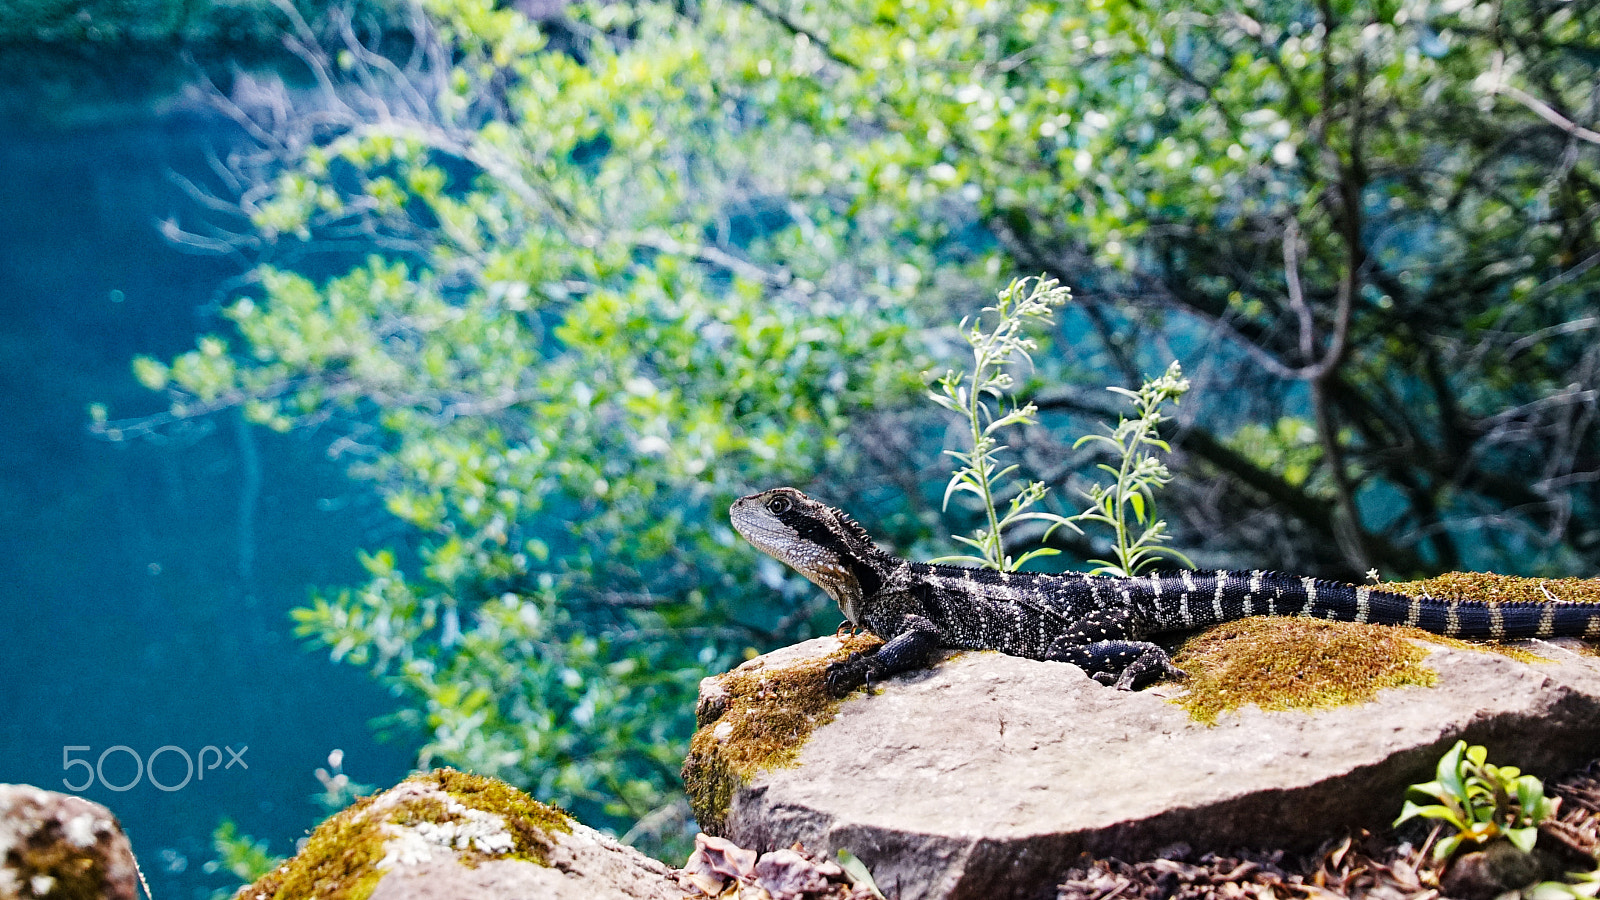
(469, 817)
(757, 717)
(61, 846)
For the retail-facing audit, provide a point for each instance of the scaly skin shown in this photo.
(1097, 623)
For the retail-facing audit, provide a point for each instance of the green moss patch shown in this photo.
(1493, 588)
(341, 859)
(765, 718)
(529, 821)
(1296, 663)
(339, 862)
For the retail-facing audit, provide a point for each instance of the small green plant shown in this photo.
(994, 352)
(1578, 886)
(1482, 801)
(858, 872)
(1135, 478)
(241, 855)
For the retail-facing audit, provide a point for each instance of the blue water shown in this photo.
(144, 586)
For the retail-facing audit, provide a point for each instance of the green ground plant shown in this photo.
(858, 872)
(1578, 886)
(1482, 802)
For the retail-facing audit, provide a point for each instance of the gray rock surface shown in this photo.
(58, 845)
(584, 865)
(986, 776)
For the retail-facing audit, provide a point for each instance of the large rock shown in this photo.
(58, 845)
(453, 836)
(987, 775)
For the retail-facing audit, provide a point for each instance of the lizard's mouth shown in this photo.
(741, 513)
(759, 527)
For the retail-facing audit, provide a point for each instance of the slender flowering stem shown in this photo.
(1135, 478)
(995, 351)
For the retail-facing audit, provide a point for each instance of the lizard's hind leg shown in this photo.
(1126, 665)
(1103, 644)
(1098, 646)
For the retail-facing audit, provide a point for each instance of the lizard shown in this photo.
(1102, 624)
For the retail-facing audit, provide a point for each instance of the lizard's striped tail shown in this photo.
(1208, 598)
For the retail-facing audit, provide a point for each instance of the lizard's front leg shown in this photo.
(913, 648)
(1099, 645)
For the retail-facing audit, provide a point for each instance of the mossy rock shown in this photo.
(756, 718)
(1295, 663)
(349, 853)
(1284, 663)
(1492, 588)
(62, 847)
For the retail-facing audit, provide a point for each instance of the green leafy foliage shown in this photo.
(1135, 478)
(980, 474)
(558, 385)
(1336, 200)
(1481, 801)
(633, 264)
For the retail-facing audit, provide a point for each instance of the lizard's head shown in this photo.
(814, 539)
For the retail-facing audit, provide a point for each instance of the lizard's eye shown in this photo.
(779, 505)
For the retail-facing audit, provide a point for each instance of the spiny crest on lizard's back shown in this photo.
(854, 527)
(811, 515)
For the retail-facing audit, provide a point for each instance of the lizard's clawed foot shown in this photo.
(846, 675)
(1143, 671)
(846, 629)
